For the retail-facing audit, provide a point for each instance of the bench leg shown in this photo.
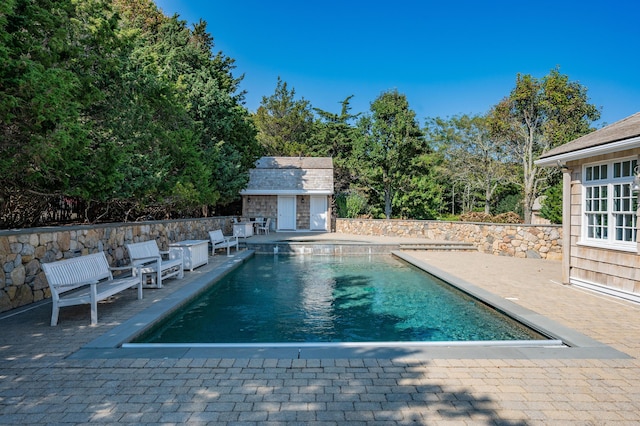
(94, 304)
(181, 274)
(55, 310)
(158, 273)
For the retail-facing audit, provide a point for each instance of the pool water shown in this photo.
(295, 299)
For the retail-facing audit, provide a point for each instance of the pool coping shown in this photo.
(579, 346)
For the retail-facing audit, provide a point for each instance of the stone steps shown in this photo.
(440, 246)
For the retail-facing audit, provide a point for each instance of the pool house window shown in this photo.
(609, 204)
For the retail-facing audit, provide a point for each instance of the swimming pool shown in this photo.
(294, 299)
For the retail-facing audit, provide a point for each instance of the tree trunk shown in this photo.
(388, 197)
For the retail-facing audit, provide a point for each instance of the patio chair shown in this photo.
(264, 227)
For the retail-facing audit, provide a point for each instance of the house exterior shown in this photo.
(600, 208)
(295, 192)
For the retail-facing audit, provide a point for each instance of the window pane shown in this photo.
(616, 170)
(626, 168)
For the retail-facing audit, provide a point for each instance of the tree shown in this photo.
(206, 135)
(390, 155)
(552, 203)
(109, 103)
(42, 141)
(334, 137)
(475, 161)
(284, 124)
(538, 115)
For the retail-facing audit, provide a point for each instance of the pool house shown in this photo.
(293, 192)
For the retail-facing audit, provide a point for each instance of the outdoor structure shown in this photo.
(601, 186)
(294, 192)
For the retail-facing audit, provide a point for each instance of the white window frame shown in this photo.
(608, 205)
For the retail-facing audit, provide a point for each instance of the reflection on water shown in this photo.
(333, 299)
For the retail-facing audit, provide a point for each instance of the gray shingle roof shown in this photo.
(294, 174)
(294, 162)
(620, 130)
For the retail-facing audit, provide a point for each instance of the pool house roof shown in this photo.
(291, 176)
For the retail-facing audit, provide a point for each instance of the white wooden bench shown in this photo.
(218, 240)
(154, 264)
(85, 280)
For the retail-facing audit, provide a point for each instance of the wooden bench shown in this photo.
(85, 280)
(218, 240)
(154, 264)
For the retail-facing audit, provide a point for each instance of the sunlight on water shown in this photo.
(333, 299)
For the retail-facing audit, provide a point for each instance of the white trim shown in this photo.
(632, 248)
(610, 243)
(607, 148)
(286, 192)
(599, 288)
(456, 343)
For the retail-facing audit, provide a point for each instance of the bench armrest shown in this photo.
(142, 260)
(76, 284)
(126, 268)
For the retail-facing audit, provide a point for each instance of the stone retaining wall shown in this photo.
(517, 240)
(22, 251)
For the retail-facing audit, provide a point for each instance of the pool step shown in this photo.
(440, 246)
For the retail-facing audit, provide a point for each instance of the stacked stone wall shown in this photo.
(23, 251)
(517, 240)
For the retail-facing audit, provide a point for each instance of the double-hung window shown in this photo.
(609, 204)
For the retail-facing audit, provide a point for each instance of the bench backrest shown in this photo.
(69, 274)
(216, 236)
(145, 249)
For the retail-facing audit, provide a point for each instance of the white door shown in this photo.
(318, 206)
(286, 213)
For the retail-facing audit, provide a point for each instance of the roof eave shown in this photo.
(286, 192)
(608, 148)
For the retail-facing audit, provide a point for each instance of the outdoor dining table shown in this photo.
(256, 224)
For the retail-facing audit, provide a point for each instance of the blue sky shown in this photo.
(447, 57)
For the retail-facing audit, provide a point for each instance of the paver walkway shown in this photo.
(40, 385)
